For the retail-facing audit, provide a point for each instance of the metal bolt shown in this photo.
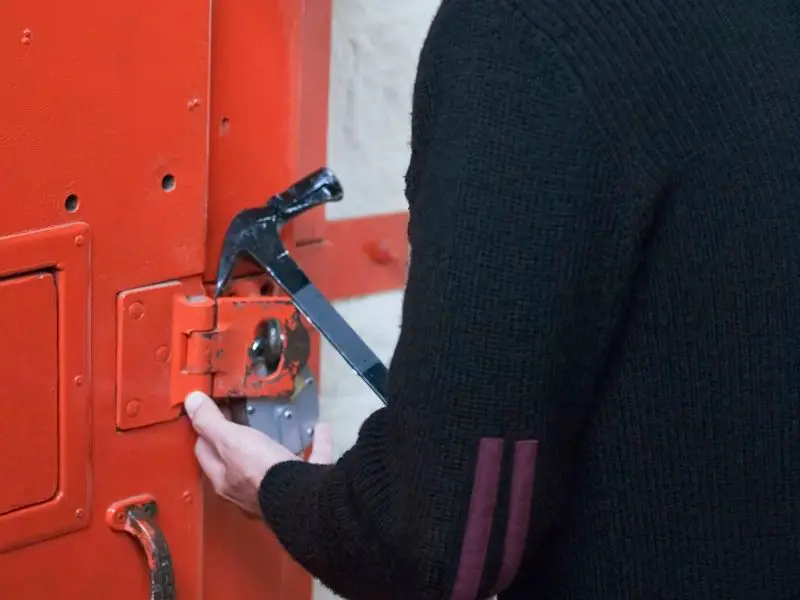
(136, 310)
(78, 380)
(267, 347)
(26, 36)
(250, 409)
(193, 103)
(287, 414)
(132, 408)
(380, 252)
(310, 432)
(162, 354)
(79, 239)
(79, 513)
(187, 497)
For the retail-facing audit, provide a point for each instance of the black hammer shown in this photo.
(254, 234)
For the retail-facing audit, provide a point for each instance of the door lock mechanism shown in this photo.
(251, 352)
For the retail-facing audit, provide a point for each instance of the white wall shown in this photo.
(376, 44)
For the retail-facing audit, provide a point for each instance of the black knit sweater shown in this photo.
(604, 291)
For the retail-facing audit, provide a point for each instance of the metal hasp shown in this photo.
(254, 234)
(137, 517)
(252, 353)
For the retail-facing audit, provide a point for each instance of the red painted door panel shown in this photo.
(130, 134)
(104, 129)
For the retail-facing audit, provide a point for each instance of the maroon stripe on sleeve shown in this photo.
(519, 511)
(479, 520)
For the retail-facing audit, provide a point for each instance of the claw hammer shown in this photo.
(254, 233)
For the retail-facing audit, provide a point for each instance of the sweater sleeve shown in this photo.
(512, 294)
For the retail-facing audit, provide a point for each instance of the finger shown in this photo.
(210, 463)
(206, 417)
(322, 452)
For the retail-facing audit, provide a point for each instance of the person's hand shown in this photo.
(235, 458)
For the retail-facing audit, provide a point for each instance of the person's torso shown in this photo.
(688, 479)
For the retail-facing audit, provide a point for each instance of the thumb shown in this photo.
(206, 417)
(322, 452)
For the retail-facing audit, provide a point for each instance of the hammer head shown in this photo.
(255, 232)
(320, 187)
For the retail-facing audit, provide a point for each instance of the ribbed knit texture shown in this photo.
(605, 232)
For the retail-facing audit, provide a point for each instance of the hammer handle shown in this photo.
(327, 320)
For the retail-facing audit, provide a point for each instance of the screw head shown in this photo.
(132, 408)
(287, 414)
(136, 310)
(380, 252)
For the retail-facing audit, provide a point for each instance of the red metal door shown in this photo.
(130, 134)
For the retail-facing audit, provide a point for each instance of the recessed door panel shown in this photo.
(29, 402)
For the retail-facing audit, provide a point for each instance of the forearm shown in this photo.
(400, 516)
(324, 516)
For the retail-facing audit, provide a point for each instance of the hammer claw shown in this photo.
(254, 231)
(320, 187)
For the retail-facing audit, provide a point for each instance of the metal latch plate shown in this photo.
(173, 339)
(213, 343)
